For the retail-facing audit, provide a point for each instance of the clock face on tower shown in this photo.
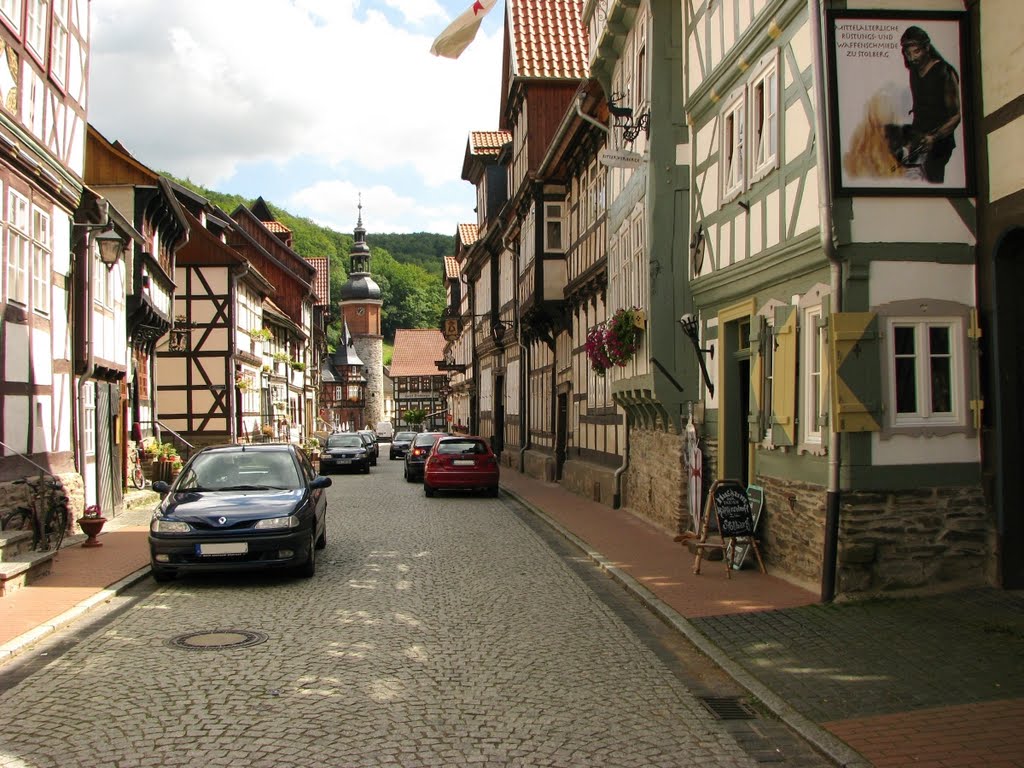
(361, 311)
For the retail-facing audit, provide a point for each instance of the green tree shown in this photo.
(414, 416)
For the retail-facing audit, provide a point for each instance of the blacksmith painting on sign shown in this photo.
(898, 120)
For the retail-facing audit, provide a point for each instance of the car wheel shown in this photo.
(308, 569)
(321, 543)
(366, 469)
(162, 576)
(408, 477)
(427, 490)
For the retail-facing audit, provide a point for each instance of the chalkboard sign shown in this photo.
(733, 507)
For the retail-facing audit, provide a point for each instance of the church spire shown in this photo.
(360, 253)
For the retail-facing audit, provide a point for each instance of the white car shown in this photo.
(384, 430)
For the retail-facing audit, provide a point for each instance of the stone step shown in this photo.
(13, 544)
(27, 568)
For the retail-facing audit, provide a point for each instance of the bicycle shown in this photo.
(135, 474)
(49, 512)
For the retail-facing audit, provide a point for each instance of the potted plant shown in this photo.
(260, 334)
(176, 464)
(312, 446)
(615, 341)
(91, 522)
(297, 365)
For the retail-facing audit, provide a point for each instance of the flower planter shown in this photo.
(91, 526)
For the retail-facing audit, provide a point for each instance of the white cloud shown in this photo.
(202, 95)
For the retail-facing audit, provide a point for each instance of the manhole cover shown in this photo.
(218, 638)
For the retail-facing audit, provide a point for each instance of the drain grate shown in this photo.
(728, 708)
(217, 639)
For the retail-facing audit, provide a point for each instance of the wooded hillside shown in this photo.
(409, 268)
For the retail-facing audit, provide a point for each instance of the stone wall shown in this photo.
(921, 538)
(918, 539)
(655, 482)
(538, 464)
(371, 351)
(589, 480)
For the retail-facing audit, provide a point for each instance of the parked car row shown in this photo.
(446, 462)
(238, 507)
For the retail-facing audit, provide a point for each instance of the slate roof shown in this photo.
(416, 352)
(548, 38)
(468, 233)
(322, 279)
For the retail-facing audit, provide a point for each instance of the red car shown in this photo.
(461, 463)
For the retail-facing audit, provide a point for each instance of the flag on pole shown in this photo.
(460, 33)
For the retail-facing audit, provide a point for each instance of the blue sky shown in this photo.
(309, 103)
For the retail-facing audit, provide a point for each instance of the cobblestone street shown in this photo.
(444, 631)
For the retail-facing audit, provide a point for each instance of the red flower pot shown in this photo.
(91, 526)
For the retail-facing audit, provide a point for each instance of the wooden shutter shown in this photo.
(855, 369)
(759, 337)
(784, 377)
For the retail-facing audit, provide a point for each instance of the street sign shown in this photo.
(620, 158)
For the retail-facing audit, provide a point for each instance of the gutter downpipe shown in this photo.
(524, 371)
(621, 470)
(816, 19)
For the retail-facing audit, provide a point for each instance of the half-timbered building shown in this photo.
(636, 55)
(589, 428)
(841, 307)
(545, 62)
(485, 165)
(1001, 274)
(418, 381)
(149, 202)
(43, 91)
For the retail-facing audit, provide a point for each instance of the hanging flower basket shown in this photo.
(615, 341)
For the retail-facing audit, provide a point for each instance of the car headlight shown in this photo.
(276, 523)
(159, 525)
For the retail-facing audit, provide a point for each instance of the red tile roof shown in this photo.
(549, 39)
(451, 268)
(275, 226)
(416, 352)
(322, 280)
(488, 142)
(468, 233)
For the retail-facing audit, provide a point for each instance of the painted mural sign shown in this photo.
(900, 123)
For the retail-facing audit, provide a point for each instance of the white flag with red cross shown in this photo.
(460, 33)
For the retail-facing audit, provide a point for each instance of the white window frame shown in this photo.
(764, 117)
(12, 11)
(813, 400)
(59, 39)
(36, 22)
(89, 418)
(18, 242)
(554, 214)
(923, 415)
(41, 248)
(732, 145)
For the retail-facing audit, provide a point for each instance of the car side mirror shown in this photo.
(320, 481)
(161, 487)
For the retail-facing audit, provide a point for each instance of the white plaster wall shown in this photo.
(772, 235)
(42, 357)
(907, 220)
(725, 246)
(898, 280)
(756, 230)
(1005, 171)
(1002, 53)
(797, 131)
(947, 449)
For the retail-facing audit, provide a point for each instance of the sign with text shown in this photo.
(901, 122)
(620, 158)
(732, 506)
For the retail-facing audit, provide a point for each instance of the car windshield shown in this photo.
(240, 470)
(458, 447)
(426, 438)
(344, 441)
(404, 437)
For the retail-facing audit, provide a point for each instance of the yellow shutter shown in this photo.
(855, 367)
(784, 377)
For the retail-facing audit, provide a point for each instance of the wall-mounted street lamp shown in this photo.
(111, 245)
(689, 324)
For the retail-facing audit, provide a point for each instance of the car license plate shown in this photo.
(344, 461)
(464, 462)
(232, 548)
